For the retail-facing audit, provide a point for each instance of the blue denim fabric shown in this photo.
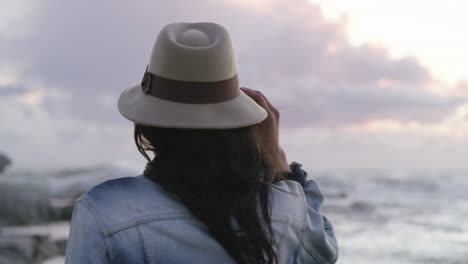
(134, 220)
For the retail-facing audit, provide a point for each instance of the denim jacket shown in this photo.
(134, 220)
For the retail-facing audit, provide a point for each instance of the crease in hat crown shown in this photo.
(189, 56)
(194, 52)
(194, 38)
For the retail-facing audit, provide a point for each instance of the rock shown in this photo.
(336, 195)
(362, 206)
(28, 205)
(33, 244)
(4, 162)
(31, 197)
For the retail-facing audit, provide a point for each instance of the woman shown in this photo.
(219, 188)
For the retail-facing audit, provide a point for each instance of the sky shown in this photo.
(368, 84)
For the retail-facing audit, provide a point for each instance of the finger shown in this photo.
(262, 101)
(273, 113)
(270, 106)
(262, 95)
(256, 97)
(266, 99)
(249, 92)
(263, 104)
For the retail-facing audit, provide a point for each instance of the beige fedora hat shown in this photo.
(191, 81)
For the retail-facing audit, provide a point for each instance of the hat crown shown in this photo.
(194, 38)
(194, 52)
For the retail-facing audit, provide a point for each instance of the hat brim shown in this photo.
(145, 109)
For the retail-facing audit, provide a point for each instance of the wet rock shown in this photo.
(33, 244)
(26, 205)
(336, 195)
(33, 197)
(4, 162)
(362, 206)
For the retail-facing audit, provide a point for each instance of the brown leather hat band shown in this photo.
(190, 92)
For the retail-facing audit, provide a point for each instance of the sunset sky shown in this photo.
(360, 84)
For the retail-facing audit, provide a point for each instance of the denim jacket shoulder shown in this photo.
(123, 204)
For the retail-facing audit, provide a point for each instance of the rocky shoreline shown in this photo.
(4, 162)
(37, 233)
(36, 208)
(34, 244)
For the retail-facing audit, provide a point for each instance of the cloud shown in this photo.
(322, 149)
(35, 140)
(73, 48)
(325, 104)
(82, 54)
(12, 89)
(295, 39)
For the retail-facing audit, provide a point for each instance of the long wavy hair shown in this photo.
(220, 175)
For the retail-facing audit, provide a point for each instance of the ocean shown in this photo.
(379, 216)
(394, 216)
